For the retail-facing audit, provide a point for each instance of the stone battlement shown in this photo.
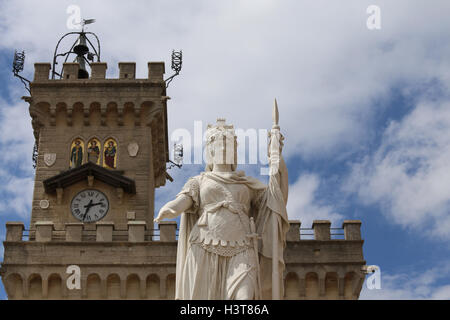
(137, 231)
(102, 231)
(127, 71)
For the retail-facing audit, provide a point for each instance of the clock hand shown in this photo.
(89, 204)
(88, 207)
(96, 204)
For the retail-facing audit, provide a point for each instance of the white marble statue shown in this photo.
(231, 225)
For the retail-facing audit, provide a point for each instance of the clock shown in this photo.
(89, 205)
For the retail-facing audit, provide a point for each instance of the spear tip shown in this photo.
(275, 114)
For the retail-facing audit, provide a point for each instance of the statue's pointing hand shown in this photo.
(164, 212)
(173, 208)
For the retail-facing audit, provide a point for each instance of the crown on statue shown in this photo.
(219, 130)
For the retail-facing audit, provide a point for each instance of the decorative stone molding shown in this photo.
(44, 204)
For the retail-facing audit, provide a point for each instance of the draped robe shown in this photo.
(215, 256)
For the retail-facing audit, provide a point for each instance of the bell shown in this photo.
(81, 48)
(82, 72)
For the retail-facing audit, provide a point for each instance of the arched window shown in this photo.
(170, 286)
(331, 286)
(312, 286)
(93, 151)
(292, 286)
(54, 287)
(93, 285)
(76, 153)
(110, 154)
(113, 286)
(133, 287)
(35, 287)
(153, 287)
(14, 285)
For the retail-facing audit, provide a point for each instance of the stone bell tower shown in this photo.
(102, 150)
(99, 134)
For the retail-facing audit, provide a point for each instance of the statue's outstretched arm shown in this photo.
(174, 208)
(284, 182)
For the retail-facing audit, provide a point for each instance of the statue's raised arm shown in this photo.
(272, 218)
(277, 165)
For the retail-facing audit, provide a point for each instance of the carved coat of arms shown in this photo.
(133, 149)
(49, 159)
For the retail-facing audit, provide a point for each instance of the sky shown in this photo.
(365, 112)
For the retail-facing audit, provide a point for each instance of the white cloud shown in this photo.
(318, 58)
(430, 284)
(16, 194)
(304, 205)
(409, 174)
(16, 137)
(16, 175)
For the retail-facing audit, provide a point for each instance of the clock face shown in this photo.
(89, 205)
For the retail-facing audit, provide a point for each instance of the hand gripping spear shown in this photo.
(274, 158)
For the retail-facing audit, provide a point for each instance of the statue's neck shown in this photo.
(222, 168)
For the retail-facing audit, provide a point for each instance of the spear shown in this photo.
(274, 165)
(254, 236)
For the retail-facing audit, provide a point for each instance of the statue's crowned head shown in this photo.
(221, 145)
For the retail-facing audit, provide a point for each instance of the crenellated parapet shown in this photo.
(142, 261)
(101, 231)
(127, 70)
(324, 262)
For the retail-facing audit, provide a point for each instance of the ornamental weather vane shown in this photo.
(84, 50)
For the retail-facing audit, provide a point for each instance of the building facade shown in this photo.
(102, 151)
